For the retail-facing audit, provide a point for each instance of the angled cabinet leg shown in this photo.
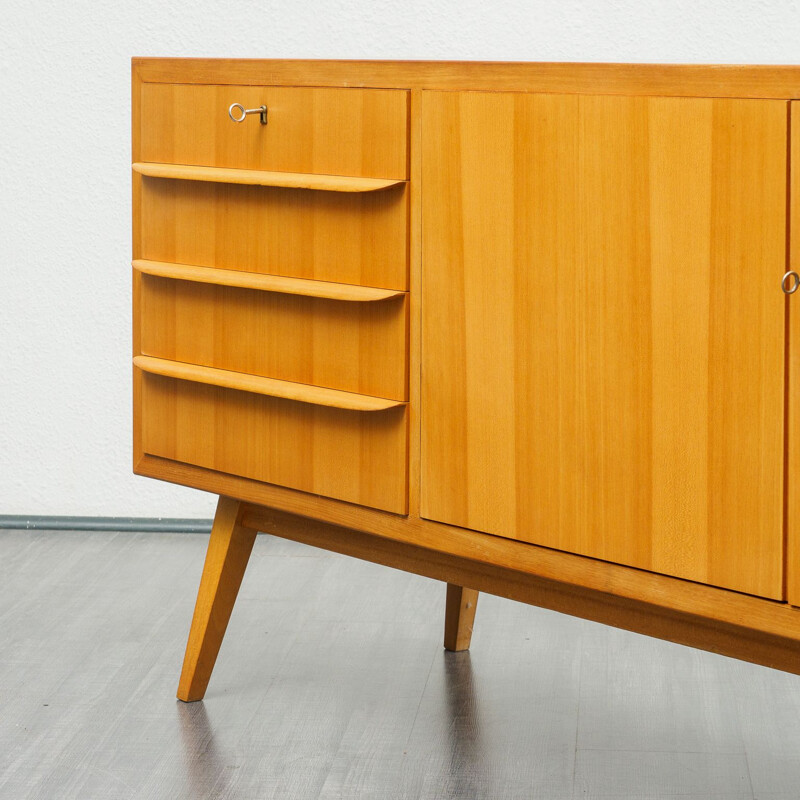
(228, 553)
(459, 617)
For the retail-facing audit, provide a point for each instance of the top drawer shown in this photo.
(358, 132)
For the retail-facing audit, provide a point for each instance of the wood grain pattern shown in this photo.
(265, 283)
(353, 347)
(269, 387)
(343, 238)
(313, 130)
(793, 377)
(136, 253)
(459, 617)
(252, 177)
(351, 455)
(229, 549)
(603, 339)
(414, 299)
(679, 80)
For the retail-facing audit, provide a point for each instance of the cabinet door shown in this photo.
(793, 362)
(604, 330)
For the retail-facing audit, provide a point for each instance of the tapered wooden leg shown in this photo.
(228, 552)
(459, 617)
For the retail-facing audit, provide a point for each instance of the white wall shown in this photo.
(65, 181)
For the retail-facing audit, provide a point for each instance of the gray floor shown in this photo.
(332, 684)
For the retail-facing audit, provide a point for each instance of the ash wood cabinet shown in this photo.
(517, 327)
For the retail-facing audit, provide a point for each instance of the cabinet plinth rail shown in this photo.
(271, 387)
(266, 283)
(254, 177)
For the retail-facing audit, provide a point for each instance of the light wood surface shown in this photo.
(793, 377)
(251, 177)
(354, 347)
(309, 130)
(603, 328)
(681, 80)
(459, 617)
(265, 283)
(414, 298)
(270, 387)
(344, 238)
(136, 253)
(229, 550)
(351, 455)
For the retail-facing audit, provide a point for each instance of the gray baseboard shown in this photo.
(147, 524)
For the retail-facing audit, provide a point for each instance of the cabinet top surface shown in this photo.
(679, 80)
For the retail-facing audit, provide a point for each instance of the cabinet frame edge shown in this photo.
(672, 80)
(742, 626)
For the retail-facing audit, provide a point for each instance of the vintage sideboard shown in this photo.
(527, 329)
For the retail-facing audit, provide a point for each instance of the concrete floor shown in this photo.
(332, 683)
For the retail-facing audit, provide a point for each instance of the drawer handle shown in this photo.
(300, 287)
(271, 387)
(258, 177)
(261, 110)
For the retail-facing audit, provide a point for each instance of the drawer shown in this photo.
(358, 132)
(351, 455)
(358, 238)
(356, 344)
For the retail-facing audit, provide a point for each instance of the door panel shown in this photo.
(603, 328)
(793, 412)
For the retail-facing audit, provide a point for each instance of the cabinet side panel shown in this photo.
(136, 250)
(602, 336)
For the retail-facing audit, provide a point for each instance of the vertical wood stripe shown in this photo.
(414, 331)
(793, 394)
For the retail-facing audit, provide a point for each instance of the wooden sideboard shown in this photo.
(523, 328)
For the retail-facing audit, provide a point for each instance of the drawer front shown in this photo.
(353, 346)
(358, 132)
(356, 456)
(357, 238)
